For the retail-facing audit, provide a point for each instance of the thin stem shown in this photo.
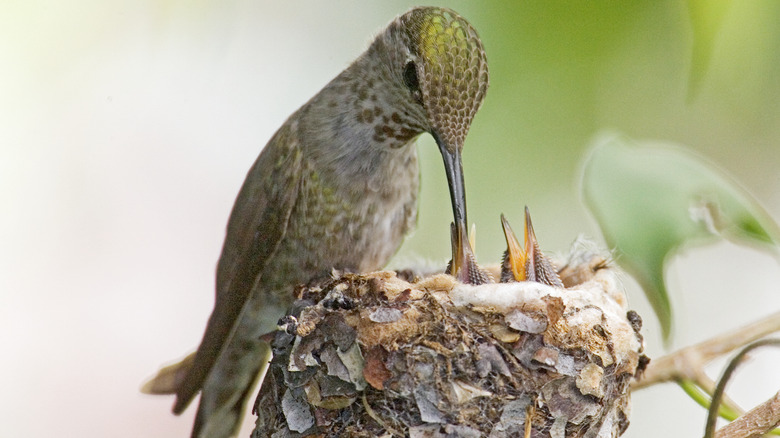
(719, 390)
(702, 398)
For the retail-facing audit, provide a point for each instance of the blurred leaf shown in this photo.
(706, 21)
(649, 200)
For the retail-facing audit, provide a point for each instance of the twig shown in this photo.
(755, 423)
(687, 362)
(371, 413)
(529, 415)
(717, 396)
(704, 397)
(704, 382)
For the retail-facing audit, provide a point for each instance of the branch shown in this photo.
(717, 396)
(688, 362)
(755, 423)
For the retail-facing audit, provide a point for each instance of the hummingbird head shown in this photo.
(440, 72)
(445, 70)
(438, 69)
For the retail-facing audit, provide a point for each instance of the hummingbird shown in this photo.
(335, 188)
(526, 263)
(465, 269)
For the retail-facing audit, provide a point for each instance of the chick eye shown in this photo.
(410, 78)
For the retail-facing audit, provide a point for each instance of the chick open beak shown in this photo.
(513, 263)
(526, 263)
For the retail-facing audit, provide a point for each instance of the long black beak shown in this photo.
(453, 165)
(463, 265)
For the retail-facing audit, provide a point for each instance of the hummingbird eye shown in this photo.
(411, 80)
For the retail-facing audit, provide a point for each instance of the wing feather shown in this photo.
(255, 229)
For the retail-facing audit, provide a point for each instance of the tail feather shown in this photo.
(168, 379)
(225, 395)
(215, 339)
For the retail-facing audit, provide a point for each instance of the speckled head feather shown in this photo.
(451, 69)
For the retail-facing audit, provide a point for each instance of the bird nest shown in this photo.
(377, 355)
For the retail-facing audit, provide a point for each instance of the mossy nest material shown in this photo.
(374, 355)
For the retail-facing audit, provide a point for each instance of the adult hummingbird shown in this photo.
(335, 188)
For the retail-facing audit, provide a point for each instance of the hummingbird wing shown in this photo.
(256, 226)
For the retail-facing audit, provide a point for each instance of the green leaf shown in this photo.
(651, 199)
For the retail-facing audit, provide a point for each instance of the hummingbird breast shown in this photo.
(359, 180)
(347, 222)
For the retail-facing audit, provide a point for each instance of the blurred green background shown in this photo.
(562, 71)
(126, 129)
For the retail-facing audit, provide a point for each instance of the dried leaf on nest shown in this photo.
(438, 358)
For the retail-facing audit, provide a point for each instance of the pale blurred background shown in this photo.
(126, 129)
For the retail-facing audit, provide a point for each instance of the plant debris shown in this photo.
(374, 355)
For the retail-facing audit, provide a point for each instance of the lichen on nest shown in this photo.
(371, 355)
